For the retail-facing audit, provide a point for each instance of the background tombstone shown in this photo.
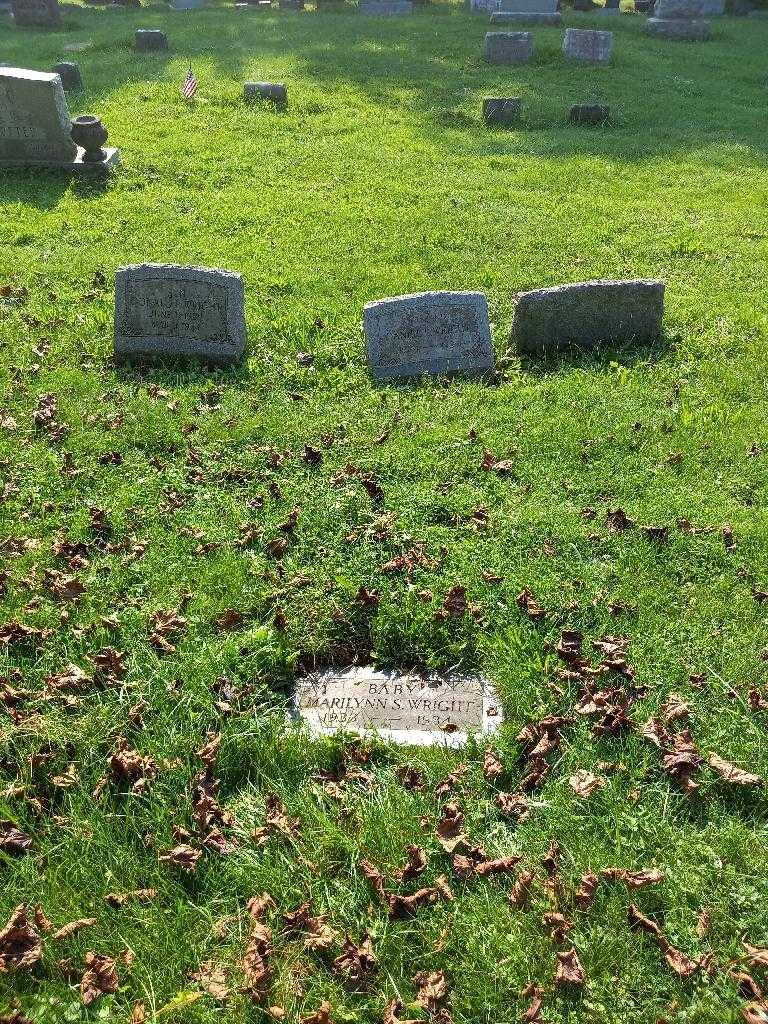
(35, 128)
(502, 112)
(430, 332)
(385, 7)
(588, 44)
(69, 74)
(679, 19)
(166, 311)
(532, 12)
(148, 40)
(273, 92)
(586, 314)
(508, 47)
(36, 12)
(589, 113)
(407, 708)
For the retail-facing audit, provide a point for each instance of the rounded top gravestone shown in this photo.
(69, 74)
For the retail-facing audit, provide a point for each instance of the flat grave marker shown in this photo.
(167, 311)
(406, 707)
(429, 332)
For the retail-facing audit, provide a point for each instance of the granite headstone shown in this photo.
(36, 12)
(586, 314)
(165, 311)
(405, 707)
(586, 44)
(508, 47)
(429, 332)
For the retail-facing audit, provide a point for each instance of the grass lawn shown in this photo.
(136, 491)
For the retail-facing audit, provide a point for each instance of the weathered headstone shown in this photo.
(586, 314)
(186, 5)
(530, 12)
(36, 12)
(404, 707)
(430, 332)
(273, 92)
(588, 44)
(165, 311)
(500, 111)
(35, 128)
(387, 8)
(589, 113)
(508, 47)
(148, 40)
(70, 76)
(679, 19)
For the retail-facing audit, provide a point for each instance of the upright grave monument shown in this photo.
(589, 45)
(36, 12)
(679, 19)
(430, 332)
(165, 312)
(508, 47)
(586, 314)
(526, 12)
(385, 7)
(405, 707)
(36, 131)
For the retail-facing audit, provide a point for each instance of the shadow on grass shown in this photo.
(597, 359)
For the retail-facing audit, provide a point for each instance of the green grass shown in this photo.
(380, 179)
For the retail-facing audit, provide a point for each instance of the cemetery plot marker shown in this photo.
(588, 45)
(36, 12)
(165, 311)
(531, 12)
(430, 332)
(679, 19)
(404, 707)
(508, 47)
(35, 129)
(587, 314)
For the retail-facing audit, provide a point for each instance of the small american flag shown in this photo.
(189, 88)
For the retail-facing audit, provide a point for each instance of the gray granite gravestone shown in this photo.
(588, 44)
(404, 707)
(679, 19)
(385, 7)
(501, 111)
(531, 12)
(508, 47)
(586, 314)
(165, 311)
(148, 40)
(70, 76)
(35, 128)
(273, 92)
(430, 332)
(36, 12)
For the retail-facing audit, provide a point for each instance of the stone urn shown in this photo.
(89, 133)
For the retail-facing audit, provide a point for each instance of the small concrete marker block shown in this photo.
(273, 92)
(69, 74)
(587, 314)
(500, 111)
(148, 40)
(508, 47)
(428, 333)
(587, 44)
(589, 113)
(686, 29)
(386, 8)
(525, 18)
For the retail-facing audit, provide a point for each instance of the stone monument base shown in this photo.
(526, 18)
(77, 166)
(386, 7)
(679, 28)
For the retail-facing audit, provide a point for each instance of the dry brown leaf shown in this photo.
(732, 773)
(255, 962)
(355, 962)
(521, 890)
(634, 879)
(119, 899)
(73, 927)
(755, 1013)
(99, 978)
(13, 841)
(756, 956)
(138, 1014)
(406, 906)
(585, 894)
(450, 827)
(515, 805)
(569, 969)
(584, 783)
(212, 979)
(433, 990)
(492, 766)
(20, 944)
(392, 1012)
(322, 1015)
(182, 856)
(417, 862)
